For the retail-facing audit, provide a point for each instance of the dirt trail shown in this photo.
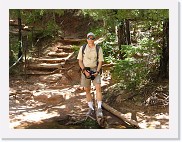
(50, 96)
(51, 90)
(45, 94)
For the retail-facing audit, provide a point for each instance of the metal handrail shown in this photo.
(16, 61)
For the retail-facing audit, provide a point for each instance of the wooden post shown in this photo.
(20, 35)
(32, 34)
(25, 48)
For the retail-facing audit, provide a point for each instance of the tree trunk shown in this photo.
(20, 35)
(123, 36)
(164, 60)
(121, 40)
(25, 54)
(128, 32)
(120, 115)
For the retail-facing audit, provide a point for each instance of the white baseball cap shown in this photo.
(90, 34)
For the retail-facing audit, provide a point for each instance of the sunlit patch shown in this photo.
(14, 124)
(66, 96)
(60, 107)
(162, 116)
(154, 125)
(158, 121)
(128, 115)
(84, 101)
(82, 93)
(32, 117)
(82, 110)
(143, 124)
(36, 116)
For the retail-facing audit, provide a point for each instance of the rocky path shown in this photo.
(51, 88)
(51, 97)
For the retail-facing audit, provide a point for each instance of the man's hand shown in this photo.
(87, 73)
(95, 74)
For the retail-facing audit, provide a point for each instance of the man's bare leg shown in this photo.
(99, 100)
(89, 97)
(98, 92)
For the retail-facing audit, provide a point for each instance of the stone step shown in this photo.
(60, 55)
(49, 60)
(45, 66)
(59, 50)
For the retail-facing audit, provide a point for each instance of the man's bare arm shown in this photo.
(81, 64)
(99, 66)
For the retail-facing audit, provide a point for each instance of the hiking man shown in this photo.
(90, 61)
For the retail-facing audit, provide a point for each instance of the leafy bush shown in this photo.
(13, 55)
(110, 48)
(131, 73)
(51, 29)
(75, 48)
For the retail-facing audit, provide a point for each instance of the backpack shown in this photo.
(97, 50)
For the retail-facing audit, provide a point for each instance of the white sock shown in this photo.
(99, 103)
(90, 104)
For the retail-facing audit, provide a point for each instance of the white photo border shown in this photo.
(171, 133)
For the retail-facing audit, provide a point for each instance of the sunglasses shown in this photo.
(90, 38)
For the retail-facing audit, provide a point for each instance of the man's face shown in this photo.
(90, 39)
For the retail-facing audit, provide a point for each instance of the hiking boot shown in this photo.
(90, 112)
(99, 113)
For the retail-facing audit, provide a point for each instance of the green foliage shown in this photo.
(143, 14)
(151, 48)
(133, 71)
(44, 19)
(14, 48)
(90, 124)
(127, 14)
(145, 27)
(50, 29)
(96, 13)
(13, 57)
(75, 48)
(107, 16)
(98, 31)
(110, 48)
(130, 73)
(32, 16)
(130, 50)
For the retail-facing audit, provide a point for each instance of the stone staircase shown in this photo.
(50, 63)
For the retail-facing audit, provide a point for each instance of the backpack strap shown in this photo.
(97, 50)
(83, 49)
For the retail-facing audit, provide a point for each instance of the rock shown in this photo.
(71, 73)
(40, 86)
(64, 80)
(50, 78)
(55, 99)
(48, 97)
(41, 98)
